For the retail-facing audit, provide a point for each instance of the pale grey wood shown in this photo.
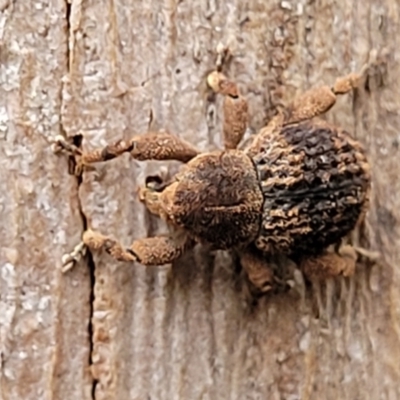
(44, 336)
(186, 331)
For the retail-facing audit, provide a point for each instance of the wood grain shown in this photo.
(108, 70)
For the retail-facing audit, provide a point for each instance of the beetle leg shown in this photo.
(156, 250)
(96, 241)
(85, 158)
(372, 256)
(235, 109)
(161, 146)
(330, 264)
(258, 270)
(148, 146)
(160, 250)
(319, 100)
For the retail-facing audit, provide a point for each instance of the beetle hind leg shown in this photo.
(330, 264)
(320, 99)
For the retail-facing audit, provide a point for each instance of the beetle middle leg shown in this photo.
(257, 269)
(235, 109)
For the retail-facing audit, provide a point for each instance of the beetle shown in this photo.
(296, 188)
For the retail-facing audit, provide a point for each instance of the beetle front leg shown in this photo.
(235, 109)
(152, 251)
(162, 147)
(148, 146)
(83, 159)
(160, 250)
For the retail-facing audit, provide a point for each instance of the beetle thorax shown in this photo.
(217, 198)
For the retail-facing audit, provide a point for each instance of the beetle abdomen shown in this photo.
(315, 181)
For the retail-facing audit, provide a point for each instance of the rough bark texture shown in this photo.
(109, 69)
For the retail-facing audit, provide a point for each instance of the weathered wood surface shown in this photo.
(109, 69)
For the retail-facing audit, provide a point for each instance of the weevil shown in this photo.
(296, 188)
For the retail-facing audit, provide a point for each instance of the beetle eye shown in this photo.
(153, 181)
(157, 183)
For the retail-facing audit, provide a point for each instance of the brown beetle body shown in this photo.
(299, 186)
